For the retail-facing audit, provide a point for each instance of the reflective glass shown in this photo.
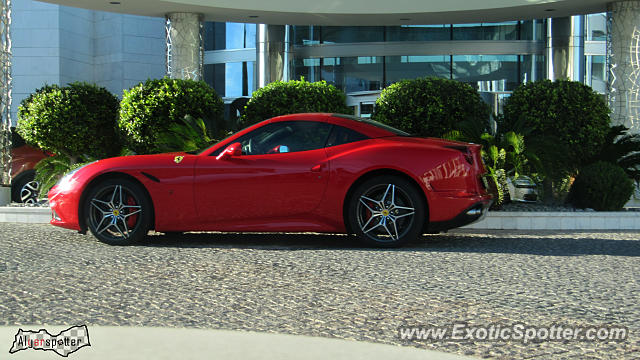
(533, 30)
(353, 73)
(411, 67)
(531, 68)
(596, 72)
(487, 72)
(486, 31)
(306, 35)
(596, 26)
(220, 36)
(231, 79)
(351, 34)
(418, 33)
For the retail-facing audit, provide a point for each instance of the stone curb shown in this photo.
(525, 220)
(495, 220)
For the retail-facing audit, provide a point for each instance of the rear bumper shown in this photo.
(473, 213)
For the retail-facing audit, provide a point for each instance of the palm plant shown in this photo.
(50, 169)
(622, 149)
(190, 135)
(503, 152)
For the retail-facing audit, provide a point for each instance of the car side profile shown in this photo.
(295, 173)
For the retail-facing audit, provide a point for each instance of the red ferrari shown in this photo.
(302, 172)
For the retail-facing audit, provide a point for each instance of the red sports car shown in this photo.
(302, 172)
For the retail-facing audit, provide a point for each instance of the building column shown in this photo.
(5, 99)
(623, 53)
(274, 57)
(565, 48)
(185, 46)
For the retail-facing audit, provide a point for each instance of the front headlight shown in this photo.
(67, 182)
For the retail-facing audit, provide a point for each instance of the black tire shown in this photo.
(118, 211)
(24, 184)
(386, 211)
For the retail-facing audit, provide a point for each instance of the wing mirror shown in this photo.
(234, 149)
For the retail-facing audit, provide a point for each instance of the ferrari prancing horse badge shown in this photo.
(178, 159)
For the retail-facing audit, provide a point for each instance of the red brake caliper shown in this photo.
(131, 220)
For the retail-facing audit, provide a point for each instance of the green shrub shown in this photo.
(149, 109)
(430, 106)
(74, 120)
(281, 98)
(570, 113)
(601, 186)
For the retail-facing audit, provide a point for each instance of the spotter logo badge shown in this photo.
(178, 159)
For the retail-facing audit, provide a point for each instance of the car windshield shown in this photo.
(198, 152)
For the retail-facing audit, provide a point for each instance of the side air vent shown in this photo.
(151, 177)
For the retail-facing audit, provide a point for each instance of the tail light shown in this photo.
(464, 150)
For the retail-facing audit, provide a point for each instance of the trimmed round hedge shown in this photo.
(149, 109)
(73, 120)
(430, 106)
(602, 186)
(569, 112)
(294, 96)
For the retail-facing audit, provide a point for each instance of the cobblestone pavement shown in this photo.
(326, 285)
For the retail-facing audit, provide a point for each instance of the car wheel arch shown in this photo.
(376, 173)
(108, 176)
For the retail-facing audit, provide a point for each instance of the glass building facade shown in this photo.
(361, 60)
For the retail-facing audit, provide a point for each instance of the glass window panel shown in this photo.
(596, 72)
(306, 35)
(220, 36)
(596, 26)
(486, 31)
(411, 67)
(533, 30)
(214, 36)
(418, 33)
(351, 34)
(531, 68)
(350, 75)
(231, 79)
(309, 69)
(487, 72)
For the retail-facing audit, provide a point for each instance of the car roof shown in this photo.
(367, 127)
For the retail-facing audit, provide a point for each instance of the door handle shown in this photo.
(316, 168)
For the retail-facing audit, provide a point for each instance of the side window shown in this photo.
(341, 135)
(285, 136)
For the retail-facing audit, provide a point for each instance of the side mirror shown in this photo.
(234, 149)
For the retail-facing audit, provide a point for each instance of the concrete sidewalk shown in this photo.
(170, 343)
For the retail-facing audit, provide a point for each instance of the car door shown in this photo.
(283, 171)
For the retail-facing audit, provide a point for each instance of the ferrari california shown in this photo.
(295, 173)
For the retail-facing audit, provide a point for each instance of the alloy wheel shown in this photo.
(385, 213)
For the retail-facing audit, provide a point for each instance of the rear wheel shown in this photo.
(386, 211)
(24, 189)
(118, 212)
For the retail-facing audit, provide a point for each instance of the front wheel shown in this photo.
(386, 211)
(118, 211)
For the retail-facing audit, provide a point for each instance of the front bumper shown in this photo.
(474, 213)
(64, 208)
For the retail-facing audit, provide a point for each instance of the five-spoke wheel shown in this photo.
(386, 211)
(118, 211)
